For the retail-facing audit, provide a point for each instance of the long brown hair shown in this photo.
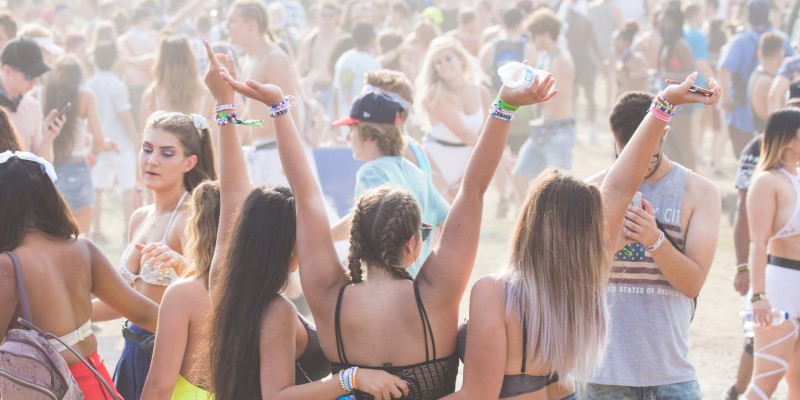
(253, 272)
(30, 201)
(176, 75)
(62, 87)
(201, 231)
(195, 142)
(781, 128)
(383, 221)
(557, 274)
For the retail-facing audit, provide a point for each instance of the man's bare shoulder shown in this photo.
(701, 190)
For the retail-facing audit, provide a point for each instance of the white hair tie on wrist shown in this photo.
(200, 122)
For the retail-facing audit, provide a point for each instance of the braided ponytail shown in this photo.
(395, 234)
(356, 252)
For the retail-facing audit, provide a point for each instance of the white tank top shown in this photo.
(472, 121)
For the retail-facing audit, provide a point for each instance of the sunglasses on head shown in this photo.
(425, 231)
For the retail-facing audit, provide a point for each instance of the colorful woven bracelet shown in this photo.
(504, 106)
(224, 118)
(664, 104)
(661, 110)
(283, 107)
(501, 114)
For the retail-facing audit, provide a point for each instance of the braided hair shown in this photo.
(384, 220)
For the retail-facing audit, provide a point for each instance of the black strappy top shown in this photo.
(513, 385)
(312, 364)
(428, 380)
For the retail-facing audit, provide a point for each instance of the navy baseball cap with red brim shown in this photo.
(376, 107)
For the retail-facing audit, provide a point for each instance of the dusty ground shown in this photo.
(716, 339)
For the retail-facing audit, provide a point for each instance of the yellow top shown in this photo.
(185, 390)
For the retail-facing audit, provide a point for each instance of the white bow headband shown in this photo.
(44, 165)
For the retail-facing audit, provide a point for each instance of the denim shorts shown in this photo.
(75, 183)
(677, 391)
(549, 145)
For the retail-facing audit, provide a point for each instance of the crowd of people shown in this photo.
(302, 186)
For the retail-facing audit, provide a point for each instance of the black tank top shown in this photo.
(427, 380)
(312, 364)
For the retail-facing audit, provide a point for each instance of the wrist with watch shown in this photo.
(758, 296)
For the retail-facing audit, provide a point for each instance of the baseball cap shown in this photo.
(794, 94)
(375, 106)
(24, 55)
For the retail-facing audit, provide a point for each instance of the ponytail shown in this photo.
(204, 169)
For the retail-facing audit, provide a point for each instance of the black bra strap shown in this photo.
(426, 324)
(524, 340)
(338, 328)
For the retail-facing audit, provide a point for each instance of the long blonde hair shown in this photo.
(430, 86)
(781, 128)
(176, 75)
(201, 231)
(557, 275)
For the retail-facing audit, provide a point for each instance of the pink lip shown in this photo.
(148, 173)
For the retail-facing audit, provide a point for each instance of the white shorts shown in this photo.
(782, 289)
(115, 170)
(451, 160)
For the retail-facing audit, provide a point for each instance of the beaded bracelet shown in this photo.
(283, 107)
(504, 115)
(742, 267)
(662, 109)
(224, 107)
(341, 381)
(653, 247)
(224, 118)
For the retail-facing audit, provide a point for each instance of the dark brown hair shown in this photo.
(62, 87)
(383, 221)
(9, 138)
(253, 272)
(543, 21)
(30, 201)
(195, 142)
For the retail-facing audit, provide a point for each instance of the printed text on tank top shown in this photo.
(149, 273)
(792, 226)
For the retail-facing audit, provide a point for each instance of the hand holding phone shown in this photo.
(693, 88)
(637, 200)
(64, 110)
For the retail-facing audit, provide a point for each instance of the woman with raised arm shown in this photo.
(259, 346)
(376, 324)
(773, 212)
(60, 270)
(176, 156)
(545, 315)
(178, 371)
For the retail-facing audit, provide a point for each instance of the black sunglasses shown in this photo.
(425, 231)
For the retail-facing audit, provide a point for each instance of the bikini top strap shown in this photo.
(338, 328)
(524, 342)
(793, 178)
(172, 217)
(427, 330)
(23, 292)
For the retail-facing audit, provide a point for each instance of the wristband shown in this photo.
(758, 296)
(742, 267)
(224, 107)
(653, 247)
(501, 104)
(504, 115)
(223, 118)
(283, 107)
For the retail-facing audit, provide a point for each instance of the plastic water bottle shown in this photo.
(778, 317)
(518, 75)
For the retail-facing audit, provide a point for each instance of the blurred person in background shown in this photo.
(176, 82)
(315, 50)
(8, 28)
(390, 45)
(606, 20)
(770, 56)
(81, 138)
(45, 38)
(717, 39)
(352, 65)
(113, 170)
(631, 66)
(417, 47)
(697, 40)
(136, 46)
(468, 31)
(22, 66)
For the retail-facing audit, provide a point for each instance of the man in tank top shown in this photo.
(655, 278)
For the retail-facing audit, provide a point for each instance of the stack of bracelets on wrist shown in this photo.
(653, 247)
(502, 110)
(758, 296)
(662, 109)
(222, 116)
(742, 267)
(347, 379)
(283, 107)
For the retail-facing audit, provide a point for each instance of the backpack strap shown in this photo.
(23, 293)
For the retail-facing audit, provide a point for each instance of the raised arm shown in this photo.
(234, 184)
(321, 274)
(629, 169)
(448, 268)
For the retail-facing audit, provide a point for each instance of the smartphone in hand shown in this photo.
(637, 200)
(696, 89)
